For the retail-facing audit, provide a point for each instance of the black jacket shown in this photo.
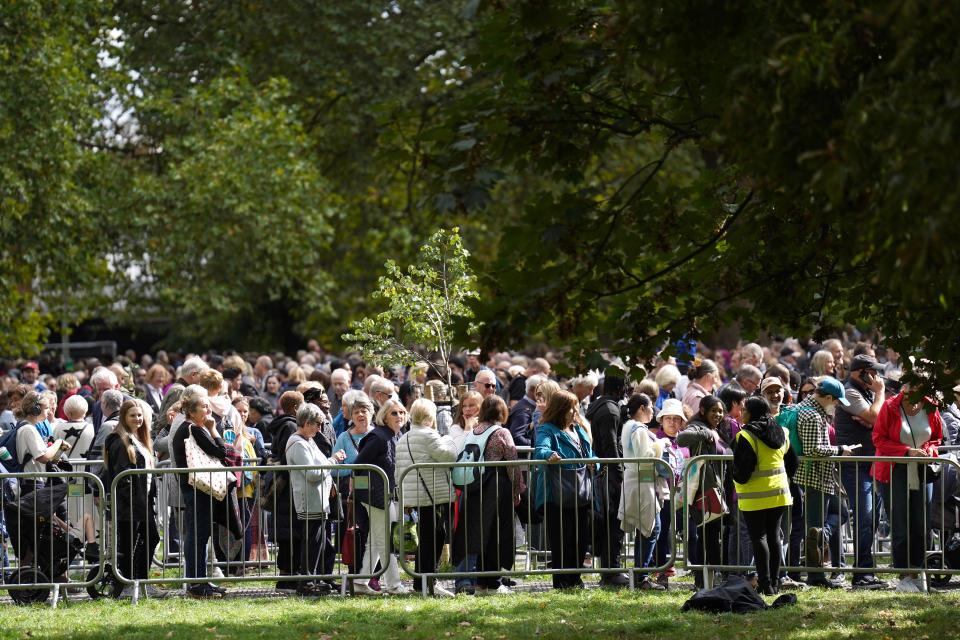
(769, 433)
(280, 430)
(379, 448)
(133, 502)
(326, 437)
(605, 423)
(216, 448)
(519, 420)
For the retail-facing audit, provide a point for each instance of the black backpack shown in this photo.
(736, 595)
(9, 440)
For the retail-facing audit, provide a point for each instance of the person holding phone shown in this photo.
(854, 426)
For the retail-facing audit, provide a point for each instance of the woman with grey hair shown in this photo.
(429, 490)
(361, 423)
(311, 496)
(341, 422)
(380, 449)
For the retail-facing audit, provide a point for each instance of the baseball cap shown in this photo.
(863, 361)
(30, 365)
(956, 389)
(835, 389)
(772, 381)
(671, 407)
(474, 352)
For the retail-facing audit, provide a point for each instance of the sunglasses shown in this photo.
(490, 385)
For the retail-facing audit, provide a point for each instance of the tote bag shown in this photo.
(212, 483)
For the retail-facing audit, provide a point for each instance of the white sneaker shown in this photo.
(440, 592)
(907, 585)
(399, 590)
(504, 589)
(216, 572)
(128, 591)
(364, 589)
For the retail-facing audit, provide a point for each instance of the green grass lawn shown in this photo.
(594, 612)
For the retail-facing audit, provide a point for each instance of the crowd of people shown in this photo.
(767, 406)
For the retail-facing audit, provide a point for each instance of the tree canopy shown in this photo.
(623, 172)
(778, 164)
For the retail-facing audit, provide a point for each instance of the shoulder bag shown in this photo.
(571, 485)
(212, 483)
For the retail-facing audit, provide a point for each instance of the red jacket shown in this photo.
(886, 436)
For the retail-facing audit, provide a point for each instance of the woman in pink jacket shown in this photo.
(907, 429)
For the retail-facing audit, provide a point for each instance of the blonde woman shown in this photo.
(135, 498)
(466, 418)
(429, 490)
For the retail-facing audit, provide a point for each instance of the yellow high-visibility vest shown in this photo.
(768, 486)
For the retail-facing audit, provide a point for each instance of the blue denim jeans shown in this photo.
(469, 563)
(643, 548)
(856, 479)
(737, 536)
(908, 519)
(198, 522)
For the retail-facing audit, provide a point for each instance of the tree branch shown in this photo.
(640, 282)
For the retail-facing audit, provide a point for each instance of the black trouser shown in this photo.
(287, 551)
(764, 528)
(436, 522)
(567, 536)
(608, 534)
(134, 549)
(310, 535)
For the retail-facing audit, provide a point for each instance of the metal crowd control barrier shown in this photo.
(226, 545)
(45, 540)
(837, 516)
(589, 524)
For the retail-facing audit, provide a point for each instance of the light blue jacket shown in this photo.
(551, 440)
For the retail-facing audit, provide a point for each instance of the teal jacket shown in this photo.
(551, 440)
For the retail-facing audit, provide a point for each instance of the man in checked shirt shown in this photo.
(816, 477)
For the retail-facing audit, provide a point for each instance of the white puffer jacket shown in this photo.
(419, 445)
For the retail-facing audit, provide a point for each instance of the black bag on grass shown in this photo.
(736, 595)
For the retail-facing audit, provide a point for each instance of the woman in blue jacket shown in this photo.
(562, 488)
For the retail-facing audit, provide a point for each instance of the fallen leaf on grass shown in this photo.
(410, 628)
(169, 634)
(463, 623)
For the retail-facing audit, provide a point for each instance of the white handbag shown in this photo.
(212, 483)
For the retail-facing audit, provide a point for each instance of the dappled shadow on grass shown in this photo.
(594, 613)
